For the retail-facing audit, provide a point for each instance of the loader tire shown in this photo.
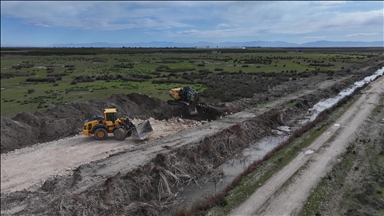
(101, 134)
(120, 134)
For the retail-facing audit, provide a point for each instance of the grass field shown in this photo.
(79, 74)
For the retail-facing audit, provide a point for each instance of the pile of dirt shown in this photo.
(27, 129)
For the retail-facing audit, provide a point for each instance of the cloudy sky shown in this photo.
(34, 23)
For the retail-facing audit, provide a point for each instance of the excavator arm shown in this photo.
(183, 97)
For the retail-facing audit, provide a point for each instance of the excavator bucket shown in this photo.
(142, 130)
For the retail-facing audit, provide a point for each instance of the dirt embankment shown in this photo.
(144, 180)
(27, 129)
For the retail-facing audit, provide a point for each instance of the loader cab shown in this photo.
(110, 116)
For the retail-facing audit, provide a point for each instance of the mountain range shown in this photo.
(322, 43)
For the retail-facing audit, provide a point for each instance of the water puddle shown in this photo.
(330, 102)
(284, 129)
(207, 185)
(308, 152)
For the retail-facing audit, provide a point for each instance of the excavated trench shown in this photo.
(212, 185)
(117, 186)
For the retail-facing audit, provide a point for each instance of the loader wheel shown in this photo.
(120, 134)
(101, 133)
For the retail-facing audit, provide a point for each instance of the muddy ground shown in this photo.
(144, 179)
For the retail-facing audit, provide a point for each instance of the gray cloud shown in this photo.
(361, 34)
(190, 18)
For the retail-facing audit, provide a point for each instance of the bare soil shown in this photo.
(69, 174)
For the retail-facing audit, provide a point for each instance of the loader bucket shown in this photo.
(193, 112)
(142, 130)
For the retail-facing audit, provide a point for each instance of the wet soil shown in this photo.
(144, 178)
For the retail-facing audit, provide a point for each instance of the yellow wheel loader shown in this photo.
(101, 126)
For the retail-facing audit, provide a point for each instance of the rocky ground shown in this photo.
(141, 178)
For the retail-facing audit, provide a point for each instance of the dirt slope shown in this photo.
(27, 129)
(268, 200)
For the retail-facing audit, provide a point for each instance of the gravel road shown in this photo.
(29, 167)
(274, 199)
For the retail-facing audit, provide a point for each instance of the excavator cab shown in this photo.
(183, 97)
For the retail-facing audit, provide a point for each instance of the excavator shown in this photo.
(183, 97)
(101, 126)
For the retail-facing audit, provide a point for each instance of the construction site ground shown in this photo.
(79, 175)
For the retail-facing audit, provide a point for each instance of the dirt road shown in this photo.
(30, 167)
(275, 199)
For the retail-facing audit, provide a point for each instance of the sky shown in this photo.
(44, 23)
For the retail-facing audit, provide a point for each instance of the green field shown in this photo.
(35, 79)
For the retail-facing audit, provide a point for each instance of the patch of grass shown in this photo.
(377, 110)
(291, 104)
(94, 62)
(326, 186)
